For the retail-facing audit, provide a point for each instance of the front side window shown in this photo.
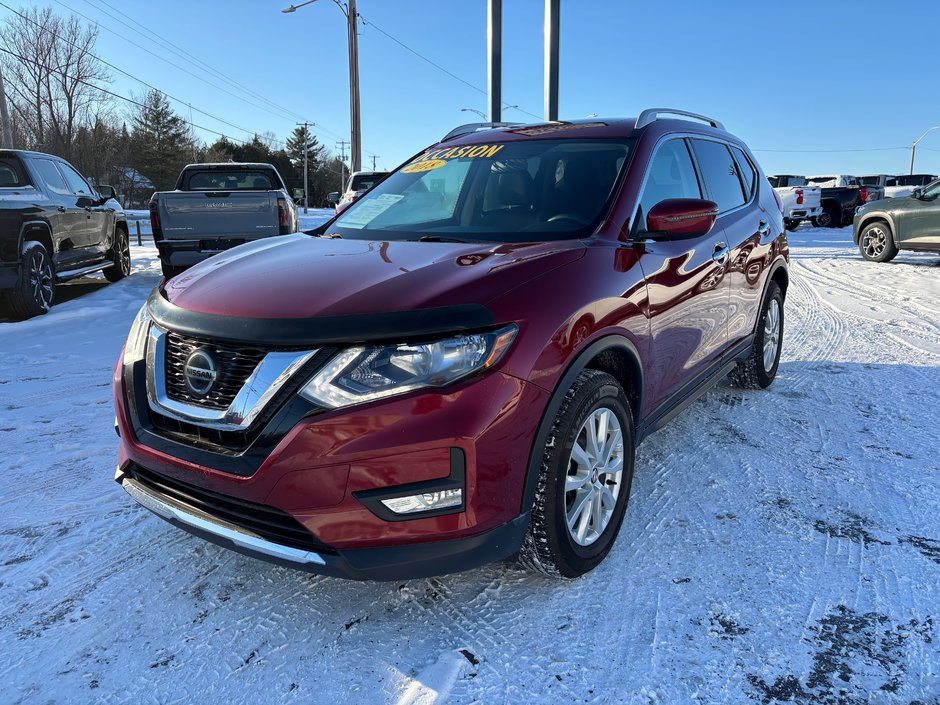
(671, 175)
(50, 176)
(76, 183)
(720, 174)
(932, 191)
(520, 191)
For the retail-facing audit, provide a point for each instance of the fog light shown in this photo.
(429, 501)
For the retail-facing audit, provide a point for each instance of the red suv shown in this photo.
(458, 368)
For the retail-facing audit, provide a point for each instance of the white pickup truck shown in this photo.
(800, 200)
(216, 207)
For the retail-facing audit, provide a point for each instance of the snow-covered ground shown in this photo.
(780, 546)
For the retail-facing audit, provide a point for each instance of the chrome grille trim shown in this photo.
(264, 381)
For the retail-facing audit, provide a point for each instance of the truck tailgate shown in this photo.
(186, 215)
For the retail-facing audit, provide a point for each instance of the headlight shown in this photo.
(365, 374)
(136, 344)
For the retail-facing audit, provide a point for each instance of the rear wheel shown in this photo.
(584, 480)
(829, 218)
(876, 243)
(759, 369)
(35, 290)
(792, 225)
(120, 254)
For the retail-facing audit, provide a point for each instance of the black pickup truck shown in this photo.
(841, 195)
(54, 226)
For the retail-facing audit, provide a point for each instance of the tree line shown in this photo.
(59, 101)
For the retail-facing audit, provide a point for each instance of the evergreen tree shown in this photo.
(160, 141)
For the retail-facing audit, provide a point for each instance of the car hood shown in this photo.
(298, 276)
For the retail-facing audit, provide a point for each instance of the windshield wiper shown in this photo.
(438, 238)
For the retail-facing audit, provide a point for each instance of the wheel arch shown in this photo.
(614, 354)
(36, 231)
(877, 216)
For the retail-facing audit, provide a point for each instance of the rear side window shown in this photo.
(671, 175)
(720, 174)
(50, 176)
(745, 171)
(235, 180)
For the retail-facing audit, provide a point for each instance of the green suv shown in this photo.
(883, 228)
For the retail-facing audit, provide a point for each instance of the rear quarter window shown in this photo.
(12, 173)
(745, 171)
(720, 173)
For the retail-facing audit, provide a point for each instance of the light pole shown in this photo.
(474, 110)
(352, 18)
(914, 144)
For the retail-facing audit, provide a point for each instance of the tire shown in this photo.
(792, 225)
(550, 547)
(35, 290)
(876, 242)
(169, 271)
(830, 217)
(120, 254)
(759, 369)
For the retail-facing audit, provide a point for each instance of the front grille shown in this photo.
(235, 365)
(261, 520)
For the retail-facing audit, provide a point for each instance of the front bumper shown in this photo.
(393, 563)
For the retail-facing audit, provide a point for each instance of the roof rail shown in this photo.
(476, 127)
(651, 115)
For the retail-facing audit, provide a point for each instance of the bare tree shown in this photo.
(54, 76)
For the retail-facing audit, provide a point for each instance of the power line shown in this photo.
(832, 151)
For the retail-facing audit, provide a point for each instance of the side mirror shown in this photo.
(298, 194)
(332, 198)
(681, 218)
(917, 193)
(107, 192)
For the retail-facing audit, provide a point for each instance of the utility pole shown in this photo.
(494, 65)
(374, 157)
(342, 166)
(7, 140)
(552, 15)
(192, 132)
(306, 141)
(914, 145)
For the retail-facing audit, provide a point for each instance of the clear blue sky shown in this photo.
(849, 81)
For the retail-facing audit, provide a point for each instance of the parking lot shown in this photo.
(779, 546)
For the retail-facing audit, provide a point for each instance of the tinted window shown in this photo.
(11, 173)
(720, 174)
(745, 170)
(235, 180)
(76, 183)
(520, 191)
(363, 182)
(671, 175)
(50, 176)
(869, 181)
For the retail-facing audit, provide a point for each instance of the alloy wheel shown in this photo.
(124, 254)
(771, 334)
(874, 242)
(595, 471)
(41, 279)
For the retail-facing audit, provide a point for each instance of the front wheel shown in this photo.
(876, 244)
(120, 254)
(584, 480)
(758, 370)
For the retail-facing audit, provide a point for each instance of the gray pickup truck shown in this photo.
(216, 207)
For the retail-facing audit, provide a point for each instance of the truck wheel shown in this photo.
(792, 225)
(829, 218)
(120, 254)
(758, 370)
(584, 480)
(35, 290)
(876, 243)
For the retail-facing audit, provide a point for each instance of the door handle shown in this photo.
(763, 229)
(61, 209)
(722, 253)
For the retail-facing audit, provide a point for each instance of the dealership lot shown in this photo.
(801, 545)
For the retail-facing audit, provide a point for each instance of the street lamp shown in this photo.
(914, 144)
(474, 110)
(352, 17)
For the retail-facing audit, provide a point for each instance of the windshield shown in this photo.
(234, 180)
(522, 191)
